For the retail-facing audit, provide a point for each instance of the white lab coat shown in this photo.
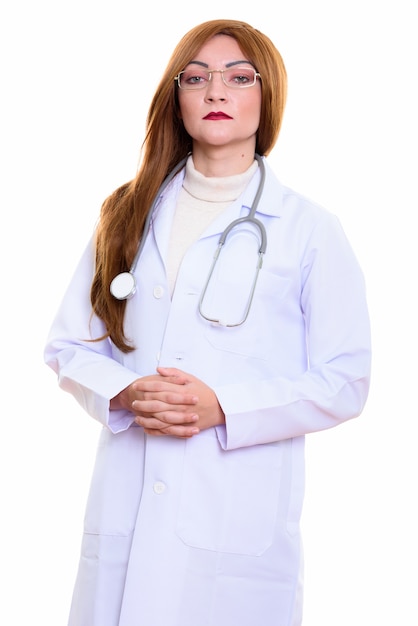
(205, 531)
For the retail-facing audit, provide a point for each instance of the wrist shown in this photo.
(122, 400)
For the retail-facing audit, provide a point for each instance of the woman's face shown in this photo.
(218, 116)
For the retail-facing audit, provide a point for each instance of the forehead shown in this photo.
(220, 50)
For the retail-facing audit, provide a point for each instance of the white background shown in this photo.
(77, 79)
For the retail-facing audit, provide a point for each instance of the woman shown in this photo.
(205, 390)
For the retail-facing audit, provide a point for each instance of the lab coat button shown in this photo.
(158, 291)
(159, 488)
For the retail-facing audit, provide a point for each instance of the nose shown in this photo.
(216, 88)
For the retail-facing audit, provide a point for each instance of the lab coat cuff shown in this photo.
(222, 437)
(117, 420)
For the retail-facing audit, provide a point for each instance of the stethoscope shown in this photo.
(123, 286)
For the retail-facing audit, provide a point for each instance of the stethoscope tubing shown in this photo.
(123, 286)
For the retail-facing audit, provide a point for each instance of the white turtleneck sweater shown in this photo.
(200, 201)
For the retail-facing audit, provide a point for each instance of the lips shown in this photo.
(217, 115)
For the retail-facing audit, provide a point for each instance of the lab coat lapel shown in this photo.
(164, 214)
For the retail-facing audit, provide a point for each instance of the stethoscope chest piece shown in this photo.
(123, 286)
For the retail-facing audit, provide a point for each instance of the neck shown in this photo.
(218, 163)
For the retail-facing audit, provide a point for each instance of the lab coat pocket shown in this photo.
(229, 499)
(116, 484)
(227, 302)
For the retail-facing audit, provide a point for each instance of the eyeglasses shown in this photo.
(235, 77)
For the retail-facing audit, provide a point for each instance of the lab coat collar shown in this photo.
(271, 200)
(270, 203)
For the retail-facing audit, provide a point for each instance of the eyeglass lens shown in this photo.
(236, 77)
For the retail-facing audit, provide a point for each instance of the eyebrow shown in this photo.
(231, 64)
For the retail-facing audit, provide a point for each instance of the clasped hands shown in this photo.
(171, 402)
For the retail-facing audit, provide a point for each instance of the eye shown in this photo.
(193, 77)
(240, 76)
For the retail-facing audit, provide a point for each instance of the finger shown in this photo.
(164, 402)
(163, 419)
(177, 376)
(154, 384)
(153, 425)
(184, 432)
(165, 391)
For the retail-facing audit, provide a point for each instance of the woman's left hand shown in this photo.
(166, 407)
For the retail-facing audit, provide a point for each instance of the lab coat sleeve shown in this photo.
(87, 369)
(334, 386)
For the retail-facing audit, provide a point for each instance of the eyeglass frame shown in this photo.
(210, 72)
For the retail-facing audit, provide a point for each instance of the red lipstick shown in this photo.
(217, 115)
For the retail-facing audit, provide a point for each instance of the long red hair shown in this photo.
(166, 143)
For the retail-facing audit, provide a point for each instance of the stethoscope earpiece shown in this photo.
(123, 286)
